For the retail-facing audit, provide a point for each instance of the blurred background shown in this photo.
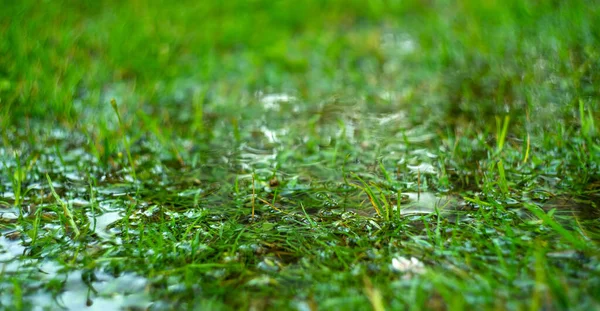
(64, 60)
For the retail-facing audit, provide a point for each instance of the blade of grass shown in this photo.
(113, 103)
(370, 194)
(312, 223)
(502, 182)
(374, 295)
(253, 195)
(17, 181)
(501, 132)
(566, 234)
(66, 210)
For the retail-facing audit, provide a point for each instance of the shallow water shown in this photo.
(428, 203)
(9, 250)
(80, 290)
(294, 172)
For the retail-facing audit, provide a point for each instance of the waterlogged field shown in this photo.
(308, 155)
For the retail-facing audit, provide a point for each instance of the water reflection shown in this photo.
(80, 290)
(9, 250)
(272, 101)
(428, 203)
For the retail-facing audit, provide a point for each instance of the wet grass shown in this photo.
(300, 155)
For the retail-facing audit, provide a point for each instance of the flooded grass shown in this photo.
(338, 155)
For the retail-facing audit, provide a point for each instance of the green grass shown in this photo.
(297, 155)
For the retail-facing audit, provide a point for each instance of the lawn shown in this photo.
(300, 155)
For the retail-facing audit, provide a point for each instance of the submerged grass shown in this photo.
(314, 155)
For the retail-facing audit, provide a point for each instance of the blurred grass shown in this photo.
(477, 51)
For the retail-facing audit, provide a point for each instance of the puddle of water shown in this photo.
(578, 213)
(9, 249)
(408, 267)
(74, 177)
(8, 216)
(102, 292)
(427, 203)
(272, 101)
(272, 135)
(115, 190)
(78, 202)
(127, 290)
(391, 118)
(581, 207)
(8, 195)
(254, 159)
(424, 168)
(420, 204)
(103, 221)
(400, 43)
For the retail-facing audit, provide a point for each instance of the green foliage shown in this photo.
(338, 154)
